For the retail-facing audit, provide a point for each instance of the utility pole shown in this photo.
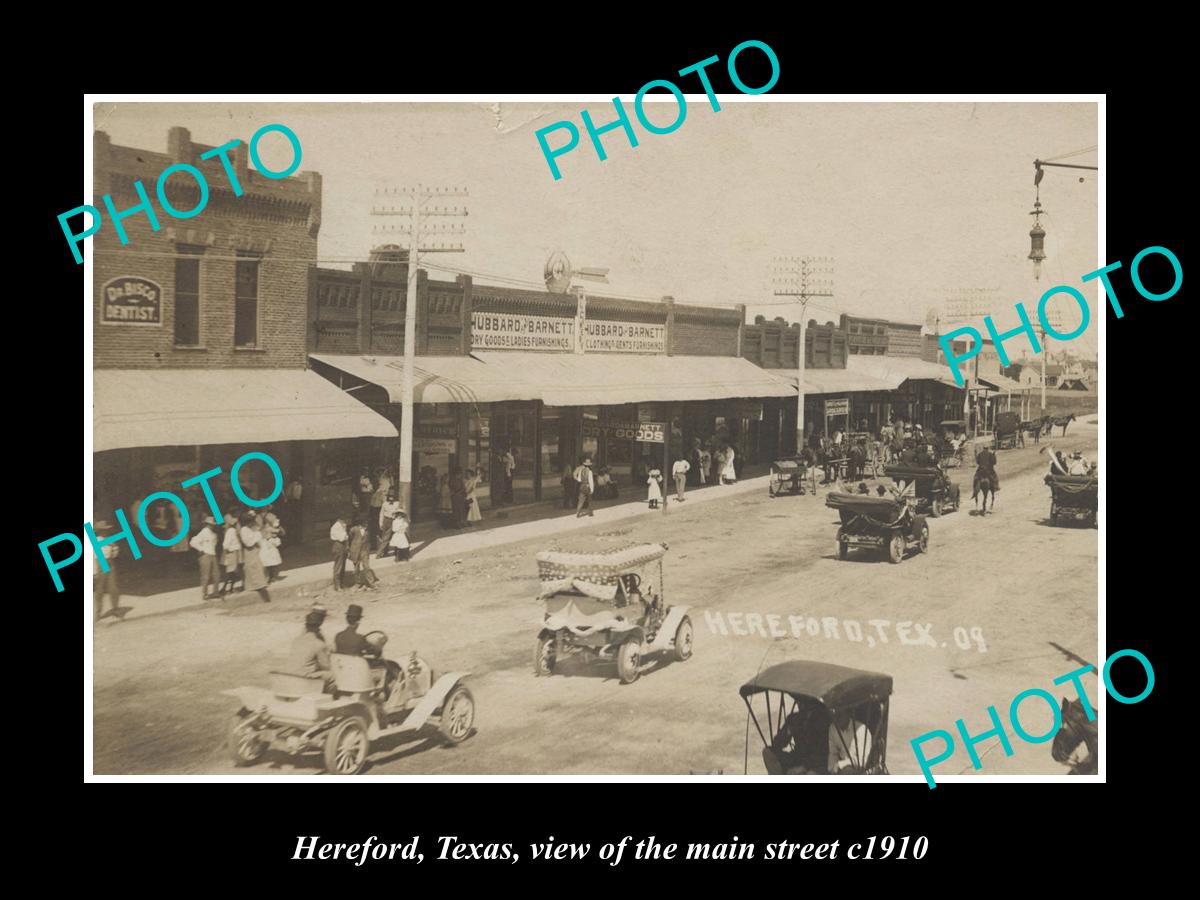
(423, 237)
(802, 277)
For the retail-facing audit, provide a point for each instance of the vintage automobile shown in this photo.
(1008, 434)
(368, 703)
(788, 476)
(933, 492)
(889, 524)
(819, 718)
(599, 606)
(1074, 497)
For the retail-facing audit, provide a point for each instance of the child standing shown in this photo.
(654, 486)
(399, 541)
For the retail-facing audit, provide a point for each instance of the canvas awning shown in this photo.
(1002, 384)
(565, 379)
(898, 369)
(836, 381)
(183, 407)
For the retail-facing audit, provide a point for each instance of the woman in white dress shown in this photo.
(728, 473)
(470, 484)
(654, 486)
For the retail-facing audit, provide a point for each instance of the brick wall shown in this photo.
(278, 219)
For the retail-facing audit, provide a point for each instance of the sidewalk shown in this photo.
(428, 543)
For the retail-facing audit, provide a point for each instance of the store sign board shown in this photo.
(600, 336)
(837, 407)
(435, 445)
(130, 300)
(509, 331)
(647, 432)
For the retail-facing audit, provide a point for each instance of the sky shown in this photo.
(914, 202)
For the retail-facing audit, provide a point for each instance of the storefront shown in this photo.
(538, 414)
(156, 429)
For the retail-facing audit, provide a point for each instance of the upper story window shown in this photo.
(245, 317)
(187, 296)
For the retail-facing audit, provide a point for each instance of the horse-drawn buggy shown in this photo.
(933, 492)
(819, 718)
(1073, 497)
(954, 442)
(788, 476)
(371, 699)
(888, 524)
(604, 606)
(1008, 434)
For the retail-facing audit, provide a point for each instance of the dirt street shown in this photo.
(1009, 582)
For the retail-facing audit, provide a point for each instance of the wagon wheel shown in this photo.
(843, 546)
(629, 657)
(895, 547)
(458, 715)
(244, 743)
(346, 747)
(543, 654)
(683, 640)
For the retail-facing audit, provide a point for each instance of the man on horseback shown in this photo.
(985, 465)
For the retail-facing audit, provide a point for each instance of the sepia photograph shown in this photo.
(452, 437)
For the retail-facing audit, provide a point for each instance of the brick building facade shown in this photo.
(200, 336)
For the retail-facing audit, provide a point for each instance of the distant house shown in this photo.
(1073, 384)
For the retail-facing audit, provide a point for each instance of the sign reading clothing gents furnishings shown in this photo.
(512, 331)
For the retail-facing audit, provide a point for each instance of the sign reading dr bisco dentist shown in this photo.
(506, 331)
(130, 300)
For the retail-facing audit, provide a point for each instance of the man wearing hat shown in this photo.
(105, 582)
(310, 654)
(349, 640)
(587, 486)
(205, 544)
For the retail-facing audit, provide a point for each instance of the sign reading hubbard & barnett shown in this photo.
(511, 331)
(506, 331)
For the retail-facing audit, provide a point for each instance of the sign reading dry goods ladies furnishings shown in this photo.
(129, 300)
(506, 331)
(624, 337)
(647, 432)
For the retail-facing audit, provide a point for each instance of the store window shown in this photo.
(187, 296)
(245, 322)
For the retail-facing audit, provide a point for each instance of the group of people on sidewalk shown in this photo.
(245, 550)
(351, 542)
(458, 498)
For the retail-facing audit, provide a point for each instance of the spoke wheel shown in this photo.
(629, 659)
(543, 654)
(683, 640)
(923, 540)
(346, 747)
(458, 715)
(244, 743)
(895, 548)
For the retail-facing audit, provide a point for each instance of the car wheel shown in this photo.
(923, 540)
(346, 747)
(935, 508)
(1053, 513)
(543, 654)
(683, 640)
(458, 715)
(629, 658)
(245, 745)
(843, 548)
(895, 548)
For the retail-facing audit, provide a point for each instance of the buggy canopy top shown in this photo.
(560, 570)
(834, 686)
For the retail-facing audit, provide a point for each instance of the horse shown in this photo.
(1076, 731)
(1063, 422)
(983, 485)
